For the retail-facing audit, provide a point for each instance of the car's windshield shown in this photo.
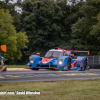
(54, 54)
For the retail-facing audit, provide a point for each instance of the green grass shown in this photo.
(62, 90)
(16, 66)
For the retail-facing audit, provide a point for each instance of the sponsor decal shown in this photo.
(46, 60)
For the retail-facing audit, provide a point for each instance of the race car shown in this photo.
(59, 59)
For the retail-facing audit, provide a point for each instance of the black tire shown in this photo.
(85, 63)
(35, 68)
(69, 63)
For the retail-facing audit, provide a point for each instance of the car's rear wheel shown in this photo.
(85, 65)
(35, 68)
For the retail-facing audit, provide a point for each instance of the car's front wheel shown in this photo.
(69, 64)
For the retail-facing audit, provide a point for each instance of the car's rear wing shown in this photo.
(76, 51)
(73, 51)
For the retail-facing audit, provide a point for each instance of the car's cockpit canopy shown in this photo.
(54, 53)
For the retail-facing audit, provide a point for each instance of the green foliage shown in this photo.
(73, 17)
(14, 14)
(5, 6)
(48, 25)
(8, 36)
(45, 22)
(85, 32)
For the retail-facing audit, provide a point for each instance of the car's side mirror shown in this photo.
(38, 54)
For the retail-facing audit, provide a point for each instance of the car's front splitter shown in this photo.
(43, 68)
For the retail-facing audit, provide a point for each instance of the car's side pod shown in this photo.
(82, 63)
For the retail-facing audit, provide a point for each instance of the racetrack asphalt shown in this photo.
(27, 75)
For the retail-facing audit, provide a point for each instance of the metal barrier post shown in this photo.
(93, 60)
(99, 59)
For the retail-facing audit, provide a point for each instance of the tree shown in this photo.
(13, 12)
(8, 36)
(46, 23)
(85, 32)
(72, 18)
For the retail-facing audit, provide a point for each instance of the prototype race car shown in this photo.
(59, 59)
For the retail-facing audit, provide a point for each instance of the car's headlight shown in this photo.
(32, 60)
(60, 61)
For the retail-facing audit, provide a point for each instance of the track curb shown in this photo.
(17, 69)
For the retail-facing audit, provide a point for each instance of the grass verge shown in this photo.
(62, 90)
(16, 66)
